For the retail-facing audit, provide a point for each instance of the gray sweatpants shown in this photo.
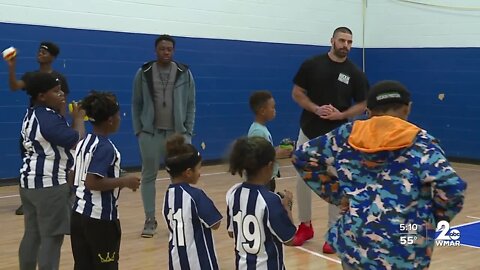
(47, 220)
(304, 196)
(152, 151)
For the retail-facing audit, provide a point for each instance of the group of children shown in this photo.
(49, 165)
(259, 220)
(383, 172)
(94, 171)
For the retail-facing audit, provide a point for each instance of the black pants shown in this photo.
(95, 243)
(271, 185)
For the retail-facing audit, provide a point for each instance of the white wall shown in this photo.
(389, 23)
(283, 21)
(436, 23)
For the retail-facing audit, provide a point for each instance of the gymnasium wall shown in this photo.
(237, 46)
(232, 46)
(434, 48)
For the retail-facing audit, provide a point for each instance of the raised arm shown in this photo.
(12, 76)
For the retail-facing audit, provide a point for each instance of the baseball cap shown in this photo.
(387, 92)
(40, 82)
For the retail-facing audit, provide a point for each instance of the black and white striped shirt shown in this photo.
(47, 139)
(96, 155)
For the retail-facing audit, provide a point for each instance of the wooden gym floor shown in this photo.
(140, 253)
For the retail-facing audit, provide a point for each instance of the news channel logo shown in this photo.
(445, 236)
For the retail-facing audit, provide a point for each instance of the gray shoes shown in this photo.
(149, 228)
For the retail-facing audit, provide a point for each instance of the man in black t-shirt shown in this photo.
(47, 53)
(330, 89)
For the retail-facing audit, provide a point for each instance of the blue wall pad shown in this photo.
(226, 72)
(428, 73)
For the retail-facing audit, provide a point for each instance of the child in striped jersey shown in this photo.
(259, 220)
(47, 140)
(95, 227)
(190, 215)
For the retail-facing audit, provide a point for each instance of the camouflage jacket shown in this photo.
(392, 175)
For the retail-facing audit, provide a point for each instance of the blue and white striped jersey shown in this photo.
(96, 155)
(47, 140)
(260, 225)
(189, 215)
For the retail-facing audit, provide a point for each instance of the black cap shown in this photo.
(50, 47)
(40, 82)
(387, 92)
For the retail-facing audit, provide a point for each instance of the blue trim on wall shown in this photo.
(428, 72)
(225, 71)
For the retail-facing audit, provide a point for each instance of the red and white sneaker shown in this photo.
(327, 249)
(304, 233)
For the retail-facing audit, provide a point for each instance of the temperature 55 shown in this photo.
(408, 233)
(408, 239)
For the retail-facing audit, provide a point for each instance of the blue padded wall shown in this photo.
(226, 72)
(428, 72)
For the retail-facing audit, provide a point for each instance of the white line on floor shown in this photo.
(465, 224)
(167, 178)
(9, 196)
(319, 255)
(469, 246)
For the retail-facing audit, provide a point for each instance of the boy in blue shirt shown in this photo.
(262, 104)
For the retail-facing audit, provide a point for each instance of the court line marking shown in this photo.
(163, 179)
(9, 196)
(465, 245)
(319, 255)
(473, 217)
(465, 224)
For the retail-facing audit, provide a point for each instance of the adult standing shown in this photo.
(163, 103)
(330, 89)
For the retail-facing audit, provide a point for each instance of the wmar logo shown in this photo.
(447, 237)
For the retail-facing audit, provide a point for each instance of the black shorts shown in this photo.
(95, 242)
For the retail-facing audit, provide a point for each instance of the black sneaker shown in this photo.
(19, 211)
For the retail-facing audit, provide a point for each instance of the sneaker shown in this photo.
(304, 233)
(19, 210)
(149, 228)
(327, 249)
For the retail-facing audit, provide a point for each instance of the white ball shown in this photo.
(9, 53)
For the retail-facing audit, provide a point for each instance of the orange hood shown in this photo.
(382, 133)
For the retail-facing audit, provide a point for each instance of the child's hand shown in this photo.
(12, 62)
(287, 199)
(131, 182)
(77, 112)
